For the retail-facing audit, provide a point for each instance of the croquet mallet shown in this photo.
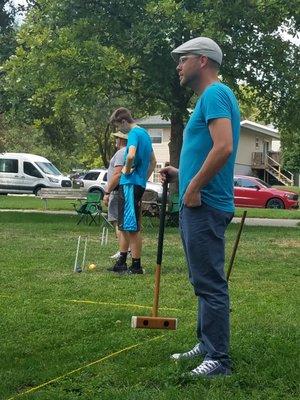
(155, 322)
(236, 246)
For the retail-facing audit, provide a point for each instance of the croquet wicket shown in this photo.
(78, 267)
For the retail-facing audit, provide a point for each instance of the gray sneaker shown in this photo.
(115, 256)
(196, 351)
(209, 368)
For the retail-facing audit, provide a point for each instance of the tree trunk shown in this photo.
(103, 144)
(175, 144)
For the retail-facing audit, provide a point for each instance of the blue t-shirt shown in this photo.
(217, 101)
(140, 139)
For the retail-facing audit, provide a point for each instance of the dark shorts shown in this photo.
(129, 207)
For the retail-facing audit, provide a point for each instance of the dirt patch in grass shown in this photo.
(288, 243)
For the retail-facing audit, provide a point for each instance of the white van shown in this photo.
(28, 173)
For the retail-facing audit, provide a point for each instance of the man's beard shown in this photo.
(188, 82)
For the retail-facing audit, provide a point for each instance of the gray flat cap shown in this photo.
(197, 46)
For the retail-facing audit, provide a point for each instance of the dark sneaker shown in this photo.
(195, 352)
(209, 368)
(132, 271)
(118, 268)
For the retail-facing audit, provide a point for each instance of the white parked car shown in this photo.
(94, 181)
(28, 173)
(157, 187)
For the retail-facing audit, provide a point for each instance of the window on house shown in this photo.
(158, 167)
(156, 135)
(256, 143)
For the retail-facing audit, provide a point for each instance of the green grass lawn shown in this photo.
(34, 203)
(68, 329)
(268, 213)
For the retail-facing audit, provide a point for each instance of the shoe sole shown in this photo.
(136, 273)
(117, 271)
(211, 376)
(182, 358)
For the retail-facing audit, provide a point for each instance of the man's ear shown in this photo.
(204, 61)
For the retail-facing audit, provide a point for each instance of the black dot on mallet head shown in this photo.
(145, 322)
(166, 324)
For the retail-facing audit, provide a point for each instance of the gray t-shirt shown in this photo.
(117, 160)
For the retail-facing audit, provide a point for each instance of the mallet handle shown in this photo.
(236, 245)
(156, 290)
(162, 217)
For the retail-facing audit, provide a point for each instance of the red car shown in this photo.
(253, 192)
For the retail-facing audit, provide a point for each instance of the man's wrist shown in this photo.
(107, 193)
(194, 185)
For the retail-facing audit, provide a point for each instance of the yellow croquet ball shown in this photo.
(92, 267)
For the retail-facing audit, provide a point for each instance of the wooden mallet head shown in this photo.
(153, 322)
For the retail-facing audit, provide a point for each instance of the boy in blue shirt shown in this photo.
(205, 175)
(139, 165)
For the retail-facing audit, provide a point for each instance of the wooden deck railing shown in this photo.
(271, 162)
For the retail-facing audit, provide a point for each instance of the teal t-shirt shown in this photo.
(217, 101)
(140, 139)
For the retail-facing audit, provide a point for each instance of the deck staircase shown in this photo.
(275, 169)
(261, 161)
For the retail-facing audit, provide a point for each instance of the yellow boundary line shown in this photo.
(121, 305)
(102, 303)
(83, 367)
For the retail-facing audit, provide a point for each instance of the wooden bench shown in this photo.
(63, 194)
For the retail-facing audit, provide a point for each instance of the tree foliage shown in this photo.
(7, 42)
(78, 59)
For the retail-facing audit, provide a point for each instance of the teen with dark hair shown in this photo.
(139, 165)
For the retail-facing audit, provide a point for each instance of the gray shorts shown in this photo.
(113, 207)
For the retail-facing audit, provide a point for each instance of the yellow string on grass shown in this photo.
(121, 305)
(34, 389)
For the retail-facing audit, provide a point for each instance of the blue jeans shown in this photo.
(202, 232)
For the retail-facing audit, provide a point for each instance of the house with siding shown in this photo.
(258, 152)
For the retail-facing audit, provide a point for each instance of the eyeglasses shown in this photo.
(183, 59)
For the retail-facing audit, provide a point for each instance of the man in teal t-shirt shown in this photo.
(216, 101)
(210, 141)
(139, 139)
(139, 164)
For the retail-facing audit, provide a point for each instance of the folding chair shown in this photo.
(89, 210)
(150, 206)
(172, 214)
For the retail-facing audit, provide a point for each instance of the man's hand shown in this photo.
(169, 174)
(126, 170)
(192, 197)
(105, 199)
